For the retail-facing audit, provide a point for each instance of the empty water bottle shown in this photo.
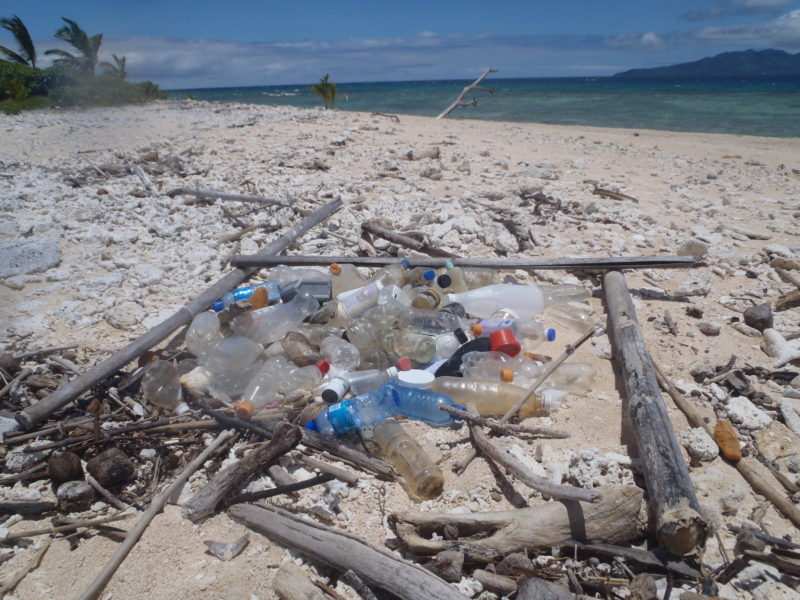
(419, 475)
(495, 397)
(357, 382)
(268, 325)
(530, 332)
(525, 300)
(297, 347)
(345, 278)
(273, 295)
(276, 379)
(161, 386)
(230, 354)
(202, 332)
(418, 347)
(340, 354)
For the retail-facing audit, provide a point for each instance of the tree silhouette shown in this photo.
(117, 69)
(27, 52)
(325, 90)
(89, 47)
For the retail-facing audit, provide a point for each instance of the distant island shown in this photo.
(747, 64)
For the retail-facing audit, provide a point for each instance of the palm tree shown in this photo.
(325, 90)
(27, 53)
(76, 37)
(116, 70)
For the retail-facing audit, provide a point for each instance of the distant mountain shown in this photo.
(748, 64)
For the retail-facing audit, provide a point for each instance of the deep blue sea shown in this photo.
(769, 108)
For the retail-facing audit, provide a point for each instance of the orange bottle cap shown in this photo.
(506, 375)
(477, 329)
(245, 410)
(404, 364)
(335, 269)
(503, 340)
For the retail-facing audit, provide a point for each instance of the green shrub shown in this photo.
(105, 91)
(17, 80)
(11, 107)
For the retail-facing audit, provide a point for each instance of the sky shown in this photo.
(182, 44)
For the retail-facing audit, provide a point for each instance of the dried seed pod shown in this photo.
(726, 439)
(64, 467)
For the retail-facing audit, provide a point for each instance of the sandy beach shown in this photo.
(123, 258)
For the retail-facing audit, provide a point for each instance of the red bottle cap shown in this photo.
(323, 366)
(503, 340)
(404, 364)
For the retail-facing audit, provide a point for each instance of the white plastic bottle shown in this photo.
(525, 300)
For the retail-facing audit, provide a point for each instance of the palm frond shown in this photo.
(23, 38)
(13, 56)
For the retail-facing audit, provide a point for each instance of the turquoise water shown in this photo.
(769, 108)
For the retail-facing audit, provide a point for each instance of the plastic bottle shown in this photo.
(356, 302)
(525, 300)
(532, 333)
(358, 382)
(457, 281)
(345, 277)
(276, 378)
(230, 354)
(428, 298)
(475, 277)
(374, 359)
(297, 347)
(420, 476)
(574, 377)
(202, 332)
(446, 345)
(428, 321)
(273, 295)
(316, 333)
(283, 274)
(488, 365)
(373, 407)
(495, 397)
(340, 354)
(395, 273)
(418, 347)
(268, 325)
(161, 386)
(421, 276)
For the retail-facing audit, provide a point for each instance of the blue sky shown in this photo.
(205, 43)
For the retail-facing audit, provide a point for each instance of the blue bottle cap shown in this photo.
(312, 426)
(551, 335)
(218, 306)
(429, 275)
(406, 263)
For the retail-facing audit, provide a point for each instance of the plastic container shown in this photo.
(298, 349)
(574, 377)
(418, 347)
(427, 298)
(447, 344)
(457, 281)
(476, 277)
(230, 354)
(421, 276)
(358, 382)
(525, 300)
(530, 332)
(371, 408)
(268, 325)
(345, 277)
(356, 302)
(342, 356)
(243, 293)
(161, 386)
(283, 274)
(494, 397)
(202, 332)
(428, 321)
(277, 378)
(420, 477)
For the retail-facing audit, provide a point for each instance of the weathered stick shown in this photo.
(503, 428)
(504, 586)
(321, 465)
(110, 498)
(20, 575)
(155, 507)
(680, 525)
(43, 351)
(510, 263)
(376, 566)
(73, 389)
(465, 91)
(69, 527)
(403, 240)
(490, 535)
(283, 489)
(291, 583)
(205, 501)
(214, 195)
(354, 581)
(27, 508)
(521, 472)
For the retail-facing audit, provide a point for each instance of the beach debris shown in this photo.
(475, 85)
(227, 551)
(759, 317)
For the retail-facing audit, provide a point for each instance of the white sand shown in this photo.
(138, 258)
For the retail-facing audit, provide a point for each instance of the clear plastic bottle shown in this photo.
(268, 325)
(395, 273)
(362, 333)
(342, 356)
(316, 333)
(243, 293)
(530, 332)
(202, 332)
(389, 400)
(298, 349)
(346, 277)
(494, 397)
(230, 354)
(374, 359)
(283, 274)
(161, 386)
(356, 302)
(457, 281)
(487, 365)
(428, 298)
(525, 300)
(429, 321)
(446, 345)
(574, 377)
(277, 378)
(420, 476)
(476, 277)
(358, 382)
(421, 276)
(418, 347)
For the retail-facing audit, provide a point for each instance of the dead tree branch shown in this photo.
(472, 86)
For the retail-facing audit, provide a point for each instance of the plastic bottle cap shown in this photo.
(506, 375)
(391, 372)
(182, 408)
(323, 366)
(444, 281)
(335, 269)
(416, 378)
(404, 364)
(449, 264)
(503, 340)
(406, 263)
(551, 335)
(429, 275)
(311, 425)
(335, 390)
(218, 306)
(477, 329)
(244, 410)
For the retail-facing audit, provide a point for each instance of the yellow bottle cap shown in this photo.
(245, 410)
(335, 269)
(506, 375)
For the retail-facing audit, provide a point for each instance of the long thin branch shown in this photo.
(69, 527)
(504, 428)
(403, 240)
(20, 575)
(464, 92)
(214, 195)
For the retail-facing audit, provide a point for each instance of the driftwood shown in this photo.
(324, 467)
(614, 520)
(288, 488)
(379, 568)
(354, 581)
(375, 228)
(523, 473)
(539, 589)
(680, 525)
(20, 575)
(155, 507)
(205, 501)
(68, 527)
(475, 85)
(510, 263)
(26, 507)
(505, 586)
(504, 428)
(147, 183)
(214, 195)
(76, 387)
(291, 583)
(604, 193)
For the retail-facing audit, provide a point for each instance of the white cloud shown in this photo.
(729, 8)
(642, 41)
(783, 33)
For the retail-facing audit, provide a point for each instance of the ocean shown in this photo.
(766, 108)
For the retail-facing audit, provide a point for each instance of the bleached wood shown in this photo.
(465, 91)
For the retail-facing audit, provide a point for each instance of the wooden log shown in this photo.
(492, 535)
(377, 567)
(26, 507)
(74, 388)
(215, 195)
(205, 501)
(472, 86)
(376, 228)
(499, 584)
(680, 525)
(291, 583)
(510, 263)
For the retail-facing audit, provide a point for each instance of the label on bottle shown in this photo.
(340, 418)
(489, 326)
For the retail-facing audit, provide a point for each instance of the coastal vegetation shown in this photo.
(325, 90)
(72, 79)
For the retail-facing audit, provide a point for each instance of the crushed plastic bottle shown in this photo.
(268, 325)
(277, 378)
(419, 475)
(342, 356)
(298, 349)
(418, 347)
(161, 386)
(429, 321)
(357, 382)
(230, 354)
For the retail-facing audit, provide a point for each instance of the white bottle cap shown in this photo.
(416, 378)
(391, 372)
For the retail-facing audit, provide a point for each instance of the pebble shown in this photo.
(693, 247)
(709, 327)
(693, 285)
(125, 315)
(759, 317)
(75, 496)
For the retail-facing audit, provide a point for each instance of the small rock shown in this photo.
(774, 590)
(695, 311)
(746, 330)
(730, 504)
(125, 315)
(746, 414)
(447, 565)
(75, 496)
(111, 467)
(709, 327)
(699, 445)
(693, 247)
(778, 250)
(64, 467)
(17, 461)
(759, 317)
(693, 285)
(643, 587)
(31, 255)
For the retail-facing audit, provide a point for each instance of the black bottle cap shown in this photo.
(444, 281)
